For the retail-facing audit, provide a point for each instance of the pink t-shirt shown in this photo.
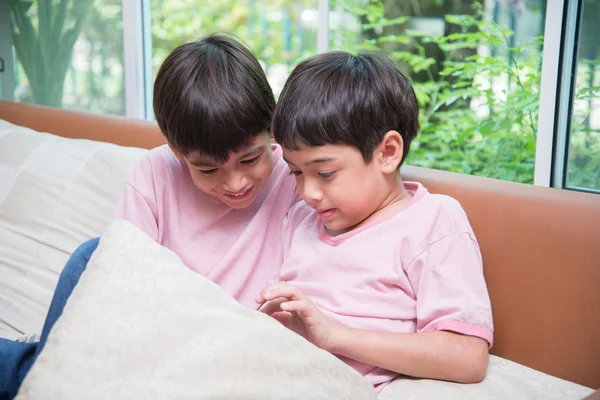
(417, 270)
(237, 249)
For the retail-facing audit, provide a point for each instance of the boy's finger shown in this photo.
(283, 289)
(267, 295)
(301, 307)
(261, 296)
(272, 306)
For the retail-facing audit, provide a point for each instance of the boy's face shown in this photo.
(237, 181)
(336, 182)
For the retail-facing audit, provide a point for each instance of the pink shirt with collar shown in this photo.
(239, 249)
(416, 270)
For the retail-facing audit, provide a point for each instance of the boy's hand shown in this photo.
(287, 304)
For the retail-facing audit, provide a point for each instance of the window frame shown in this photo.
(549, 89)
(557, 91)
(133, 59)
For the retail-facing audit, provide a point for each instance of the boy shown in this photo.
(216, 194)
(377, 271)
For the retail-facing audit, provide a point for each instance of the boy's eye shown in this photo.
(326, 175)
(297, 173)
(251, 161)
(208, 171)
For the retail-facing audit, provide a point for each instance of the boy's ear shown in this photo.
(177, 154)
(390, 151)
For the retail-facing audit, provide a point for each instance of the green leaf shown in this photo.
(394, 39)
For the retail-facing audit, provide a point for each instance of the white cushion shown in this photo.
(505, 380)
(55, 193)
(141, 325)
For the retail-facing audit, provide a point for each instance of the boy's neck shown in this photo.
(397, 198)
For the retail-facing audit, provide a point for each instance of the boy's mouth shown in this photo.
(239, 196)
(326, 214)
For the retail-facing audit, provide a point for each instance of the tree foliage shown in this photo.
(478, 88)
(44, 42)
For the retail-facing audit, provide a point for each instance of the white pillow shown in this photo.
(505, 380)
(141, 325)
(55, 193)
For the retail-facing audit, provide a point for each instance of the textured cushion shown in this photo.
(141, 325)
(54, 194)
(505, 380)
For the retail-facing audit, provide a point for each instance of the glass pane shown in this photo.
(476, 69)
(279, 32)
(584, 142)
(69, 54)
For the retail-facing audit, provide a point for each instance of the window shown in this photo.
(476, 71)
(69, 55)
(583, 154)
(509, 89)
(280, 33)
(568, 153)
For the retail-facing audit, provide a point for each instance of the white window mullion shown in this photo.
(548, 92)
(133, 46)
(556, 92)
(565, 93)
(323, 26)
(148, 74)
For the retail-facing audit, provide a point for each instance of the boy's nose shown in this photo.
(236, 183)
(311, 194)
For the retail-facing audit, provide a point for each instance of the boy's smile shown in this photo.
(237, 181)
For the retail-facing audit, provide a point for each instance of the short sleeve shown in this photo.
(450, 288)
(133, 207)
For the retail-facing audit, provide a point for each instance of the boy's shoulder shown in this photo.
(439, 214)
(161, 157)
(425, 201)
(157, 168)
(444, 205)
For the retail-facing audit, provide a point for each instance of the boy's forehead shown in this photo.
(200, 159)
(307, 155)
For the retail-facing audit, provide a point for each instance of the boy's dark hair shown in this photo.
(340, 98)
(212, 96)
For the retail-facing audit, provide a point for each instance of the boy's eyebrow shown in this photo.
(206, 164)
(252, 152)
(315, 161)
(320, 160)
(202, 163)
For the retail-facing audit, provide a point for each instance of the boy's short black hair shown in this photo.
(340, 98)
(212, 96)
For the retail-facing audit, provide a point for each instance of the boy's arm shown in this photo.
(138, 203)
(454, 319)
(135, 208)
(453, 327)
(435, 355)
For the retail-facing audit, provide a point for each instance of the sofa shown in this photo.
(61, 174)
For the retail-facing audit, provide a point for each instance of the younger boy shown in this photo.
(377, 271)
